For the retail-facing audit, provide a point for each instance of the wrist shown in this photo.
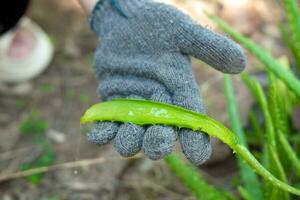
(103, 10)
(96, 14)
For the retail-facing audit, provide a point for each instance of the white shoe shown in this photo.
(16, 70)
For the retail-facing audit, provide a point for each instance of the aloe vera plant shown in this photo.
(279, 151)
(273, 161)
(190, 177)
(293, 27)
(271, 64)
(143, 112)
(249, 179)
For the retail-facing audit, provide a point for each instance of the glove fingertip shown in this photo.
(129, 138)
(102, 132)
(159, 141)
(195, 146)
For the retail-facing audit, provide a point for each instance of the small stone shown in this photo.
(56, 136)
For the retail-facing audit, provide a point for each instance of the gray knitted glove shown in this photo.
(143, 53)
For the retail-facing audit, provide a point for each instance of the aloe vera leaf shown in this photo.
(277, 105)
(190, 177)
(290, 153)
(257, 92)
(274, 163)
(244, 193)
(232, 110)
(249, 178)
(285, 35)
(270, 63)
(280, 120)
(293, 17)
(143, 112)
(257, 130)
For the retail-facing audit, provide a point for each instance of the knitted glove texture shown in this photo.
(144, 53)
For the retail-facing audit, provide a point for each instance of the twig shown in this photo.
(67, 165)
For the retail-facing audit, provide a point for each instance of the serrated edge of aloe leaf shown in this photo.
(144, 112)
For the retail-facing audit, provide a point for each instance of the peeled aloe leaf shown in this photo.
(143, 112)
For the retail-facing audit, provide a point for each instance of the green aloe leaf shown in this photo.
(273, 161)
(190, 177)
(271, 64)
(293, 17)
(249, 178)
(276, 105)
(143, 112)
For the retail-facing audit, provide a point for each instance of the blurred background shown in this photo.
(39, 119)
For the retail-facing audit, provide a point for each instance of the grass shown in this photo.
(46, 158)
(47, 88)
(35, 128)
(33, 124)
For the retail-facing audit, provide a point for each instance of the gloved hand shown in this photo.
(143, 53)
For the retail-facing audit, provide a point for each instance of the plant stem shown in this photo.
(259, 169)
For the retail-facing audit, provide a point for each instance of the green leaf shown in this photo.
(274, 163)
(244, 193)
(277, 106)
(47, 158)
(285, 35)
(293, 17)
(33, 124)
(290, 153)
(143, 112)
(249, 178)
(270, 63)
(257, 130)
(190, 177)
(279, 116)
